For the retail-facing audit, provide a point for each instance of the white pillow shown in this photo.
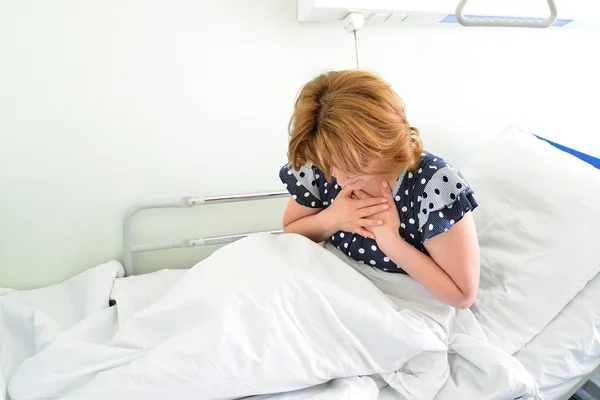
(539, 230)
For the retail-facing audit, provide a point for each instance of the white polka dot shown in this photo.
(411, 221)
(325, 191)
(374, 248)
(372, 262)
(402, 225)
(419, 198)
(451, 222)
(289, 171)
(325, 183)
(412, 204)
(353, 240)
(313, 204)
(342, 234)
(397, 198)
(349, 254)
(332, 237)
(441, 214)
(386, 259)
(435, 159)
(432, 167)
(412, 236)
(445, 229)
(423, 181)
(336, 186)
(317, 176)
(338, 247)
(462, 213)
(298, 183)
(406, 192)
(325, 203)
(450, 206)
(404, 209)
(332, 200)
(430, 227)
(345, 245)
(410, 175)
(420, 170)
(295, 197)
(385, 269)
(306, 194)
(361, 250)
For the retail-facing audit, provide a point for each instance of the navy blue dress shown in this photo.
(430, 201)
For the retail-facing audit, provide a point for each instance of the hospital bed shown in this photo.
(93, 346)
(554, 357)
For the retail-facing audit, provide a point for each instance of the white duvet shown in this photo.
(263, 316)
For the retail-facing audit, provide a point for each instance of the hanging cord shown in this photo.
(356, 50)
(353, 22)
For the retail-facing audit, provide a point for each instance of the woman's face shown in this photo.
(351, 181)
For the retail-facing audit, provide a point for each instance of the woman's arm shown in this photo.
(451, 272)
(306, 221)
(347, 214)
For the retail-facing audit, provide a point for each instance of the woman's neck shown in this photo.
(373, 187)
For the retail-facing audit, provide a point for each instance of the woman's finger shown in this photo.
(361, 194)
(368, 211)
(365, 222)
(385, 190)
(345, 192)
(363, 232)
(371, 202)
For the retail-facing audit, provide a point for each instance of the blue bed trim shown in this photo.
(595, 162)
(451, 19)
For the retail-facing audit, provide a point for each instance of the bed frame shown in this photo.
(589, 383)
(130, 248)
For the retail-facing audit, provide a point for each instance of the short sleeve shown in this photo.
(303, 185)
(445, 199)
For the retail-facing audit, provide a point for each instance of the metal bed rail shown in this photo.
(129, 248)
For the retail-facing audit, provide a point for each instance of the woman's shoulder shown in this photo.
(303, 184)
(304, 169)
(432, 161)
(431, 166)
(437, 184)
(441, 195)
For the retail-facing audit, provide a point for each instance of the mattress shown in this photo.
(568, 349)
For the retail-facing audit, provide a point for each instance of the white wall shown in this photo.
(105, 103)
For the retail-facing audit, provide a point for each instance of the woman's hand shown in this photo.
(352, 215)
(389, 231)
(450, 271)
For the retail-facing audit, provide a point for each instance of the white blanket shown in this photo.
(264, 315)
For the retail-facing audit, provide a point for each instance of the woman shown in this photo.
(358, 177)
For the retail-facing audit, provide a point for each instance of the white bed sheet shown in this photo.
(79, 354)
(569, 347)
(567, 350)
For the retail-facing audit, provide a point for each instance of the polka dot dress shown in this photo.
(430, 200)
